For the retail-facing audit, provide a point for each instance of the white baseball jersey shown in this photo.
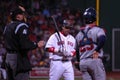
(61, 68)
(68, 43)
(92, 34)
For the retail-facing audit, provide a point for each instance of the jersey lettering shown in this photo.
(86, 48)
(70, 43)
(62, 42)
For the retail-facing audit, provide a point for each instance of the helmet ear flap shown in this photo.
(89, 15)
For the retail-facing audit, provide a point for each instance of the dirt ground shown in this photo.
(113, 75)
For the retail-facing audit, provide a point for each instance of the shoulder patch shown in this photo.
(24, 31)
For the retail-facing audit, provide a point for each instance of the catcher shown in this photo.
(90, 40)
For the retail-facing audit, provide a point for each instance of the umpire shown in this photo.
(17, 43)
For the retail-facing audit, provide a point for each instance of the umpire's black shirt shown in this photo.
(16, 35)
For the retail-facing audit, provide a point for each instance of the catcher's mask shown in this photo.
(89, 15)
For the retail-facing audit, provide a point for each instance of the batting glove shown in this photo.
(72, 53)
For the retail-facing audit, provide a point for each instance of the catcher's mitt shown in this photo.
(76, 64)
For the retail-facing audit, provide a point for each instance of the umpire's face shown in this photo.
(20, 17)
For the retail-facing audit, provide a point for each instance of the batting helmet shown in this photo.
(15, 12)
(67, 24)
(89, 15)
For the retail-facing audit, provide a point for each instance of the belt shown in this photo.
(63, 60)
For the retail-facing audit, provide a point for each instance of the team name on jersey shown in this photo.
(62, 42)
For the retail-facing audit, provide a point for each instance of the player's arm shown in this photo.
(100, 42)
(51, 49)
(50, 45)
(100, 39)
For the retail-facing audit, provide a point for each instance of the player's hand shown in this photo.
(70, 54)
(22, 8)
(41, 44)
(95, 55)
(56, 50)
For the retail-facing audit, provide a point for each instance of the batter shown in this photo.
(60, 54)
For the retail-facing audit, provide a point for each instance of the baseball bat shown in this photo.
(56, 28)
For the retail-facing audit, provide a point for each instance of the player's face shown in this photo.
(66, 31)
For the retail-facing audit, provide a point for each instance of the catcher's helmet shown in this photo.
(89, 15)
(15, 12)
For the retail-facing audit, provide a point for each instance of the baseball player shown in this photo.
(90, 41)
(61, 52)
